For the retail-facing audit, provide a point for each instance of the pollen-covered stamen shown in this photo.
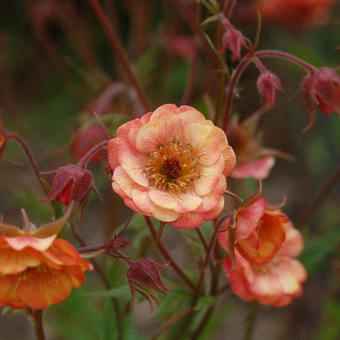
(172, 167)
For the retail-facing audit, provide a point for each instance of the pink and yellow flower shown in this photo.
(275, 283)
(172, 164)
(37, 269)
(258, 232)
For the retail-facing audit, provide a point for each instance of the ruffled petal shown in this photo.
(113, 152)
(258, 169)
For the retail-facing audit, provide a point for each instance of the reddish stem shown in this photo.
(37, 321)
(31, 160)
(85, 159)
(120, 53)
(166, 255)
(284, 55)
(191, 80)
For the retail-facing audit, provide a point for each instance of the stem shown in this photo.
(104, 279)
(166, 255)
(248, 335)
(232, 85)
(202, 238)
(166, 325)
(85, 159)
(191, 80)
(327, 188)
(120, 53)
(31, 160)
(37, 321)
(284, 55)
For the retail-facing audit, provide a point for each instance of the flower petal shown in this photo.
(258, 169)
(21, 242)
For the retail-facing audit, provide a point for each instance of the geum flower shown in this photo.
(37, 269)
(275, 283)
(253, 160)
(258, 233)
(172, 164)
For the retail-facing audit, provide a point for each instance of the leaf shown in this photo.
(317, 250)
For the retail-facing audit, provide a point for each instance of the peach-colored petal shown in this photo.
(293, 244)
(39, 289)
(163, 112)
(134, 164)
(190, 115)
(248, 218)
(21, 242)
(13, 262)
(153, 134)
(181, 202)
(127, 132)
(229, 160)
(210, 201)
(209, 177)
(142, 201)
(164, 215)
(213, 213)
(271, 235)
(258, 169)
(122, 182)
(188, 220)
(113, 152)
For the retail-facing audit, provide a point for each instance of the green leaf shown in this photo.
(317, 250)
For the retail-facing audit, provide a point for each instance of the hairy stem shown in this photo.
(105, 281)
(120, 52)
(89, 154)
(167, 256)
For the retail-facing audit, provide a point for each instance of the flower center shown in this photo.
(172, 167)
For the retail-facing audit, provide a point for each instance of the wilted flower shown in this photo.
(275, 283)
(142, 275)
(71, 183)
(171, 164)
(84, 139)
(268, 83)
(37, 269)
(258, 232)
(295, 13)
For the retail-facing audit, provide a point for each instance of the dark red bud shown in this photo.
(142, 275)
(71, 183)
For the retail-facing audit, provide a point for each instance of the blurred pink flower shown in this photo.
(172, 164)
(275, 283)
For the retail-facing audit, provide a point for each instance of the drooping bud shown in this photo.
(267, 84)
(143, 275)
(71, 183)
(323, 88)
(233, 39)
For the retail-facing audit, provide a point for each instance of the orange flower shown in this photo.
(295, 13)
(258, 232)
(37, 269)
(275, 283)
(171, 164)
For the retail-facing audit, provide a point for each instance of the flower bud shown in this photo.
(142, 275)
(71, 183)
(268, 83)
(321, 89)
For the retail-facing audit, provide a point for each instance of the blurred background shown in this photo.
(57, 68)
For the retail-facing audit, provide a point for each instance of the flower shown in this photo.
(171, 164)
(142, 275)
(38, 269)
(295, 13)
(71, 183)
(321, 89)
(252, 159)
(232, 39)
(275, 283)
(258, 232)
(268, 83)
